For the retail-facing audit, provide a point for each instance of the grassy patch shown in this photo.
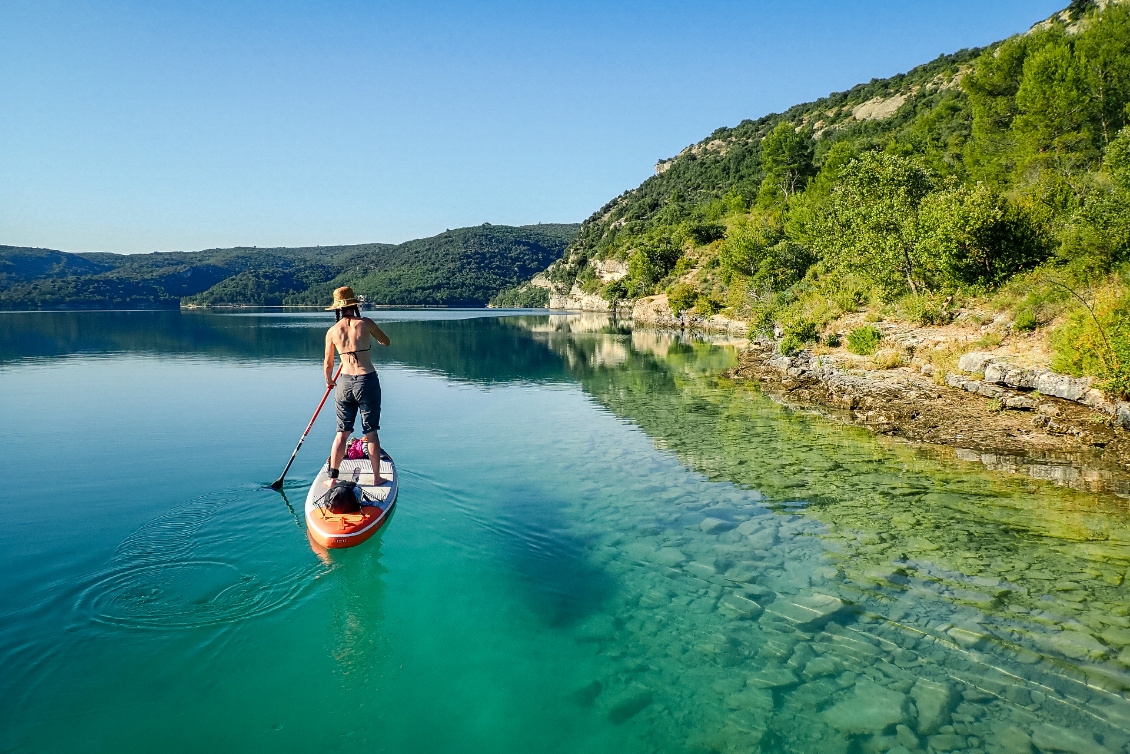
(864, 341)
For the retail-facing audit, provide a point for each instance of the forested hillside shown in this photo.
(1000, 173)
(463, 267)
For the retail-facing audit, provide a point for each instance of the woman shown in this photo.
(358, 388)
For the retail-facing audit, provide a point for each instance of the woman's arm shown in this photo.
(328, 363)
(377, 332)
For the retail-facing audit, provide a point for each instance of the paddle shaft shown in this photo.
(279, 482)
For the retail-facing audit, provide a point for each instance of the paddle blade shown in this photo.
(277, 484)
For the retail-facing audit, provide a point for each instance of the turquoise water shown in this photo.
(598, 546)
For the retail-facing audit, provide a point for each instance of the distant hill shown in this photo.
(463, 267)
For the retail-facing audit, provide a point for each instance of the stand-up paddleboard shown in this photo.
(334, 530)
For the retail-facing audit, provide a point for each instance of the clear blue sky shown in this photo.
(140, 126)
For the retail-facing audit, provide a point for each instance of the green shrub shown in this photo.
(791, 345)
(1084, 346)
(1025, 321)
(864, 341)
(833, 340)
(803, 330)
(680, 297)
(614, 291)
(706, 306)
(923, 310)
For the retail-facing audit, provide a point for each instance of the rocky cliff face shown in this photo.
(650, 310)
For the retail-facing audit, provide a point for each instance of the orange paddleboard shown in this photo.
(336, 530)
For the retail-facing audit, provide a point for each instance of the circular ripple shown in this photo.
(184, 594)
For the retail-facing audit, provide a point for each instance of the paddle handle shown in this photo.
(277, 484)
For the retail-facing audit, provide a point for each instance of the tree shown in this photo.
(1053, 126)
(873, 225)
(973, 235)
(786, 155)
(1103, 51)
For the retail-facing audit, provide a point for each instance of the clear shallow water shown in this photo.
(598, 547)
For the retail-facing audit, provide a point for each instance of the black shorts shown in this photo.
(358, 391)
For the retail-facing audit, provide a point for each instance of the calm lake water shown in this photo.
(599, 546)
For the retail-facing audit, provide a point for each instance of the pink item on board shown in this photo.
(356, 450)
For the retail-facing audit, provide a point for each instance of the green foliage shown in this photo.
(615, 291)
(791, 345)
(873, 227)
(786, 156)
(650, 262)
(864, 340)
(524, 296)
(1096, 341)
(1025, 321)
(705, 306)
(680, 297)
(801, 328)
(972, 235)
(464, 267)
(924, 310)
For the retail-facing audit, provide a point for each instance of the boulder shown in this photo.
(805, 610)
(995, 373)
(1021, 402)
(870, 708)
(934, 700)
(973, 362)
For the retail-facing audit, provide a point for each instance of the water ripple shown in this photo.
(175, 572)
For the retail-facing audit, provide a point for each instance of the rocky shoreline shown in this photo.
(1036, 422)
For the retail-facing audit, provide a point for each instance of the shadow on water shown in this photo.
(548, 558)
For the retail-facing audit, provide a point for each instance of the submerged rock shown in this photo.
(716, 525)
(745, 607)
(871, 708)
(586, 695)
(629, 703)
(934, 700)
(768, 678)
(601, 627)
(668, 556)
(1012, 740)
(1053, 738)
(805, 609)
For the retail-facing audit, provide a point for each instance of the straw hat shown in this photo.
(343, 297)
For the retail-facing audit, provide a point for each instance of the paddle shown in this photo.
(277, 484)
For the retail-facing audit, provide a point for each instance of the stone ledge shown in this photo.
(996, 371)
